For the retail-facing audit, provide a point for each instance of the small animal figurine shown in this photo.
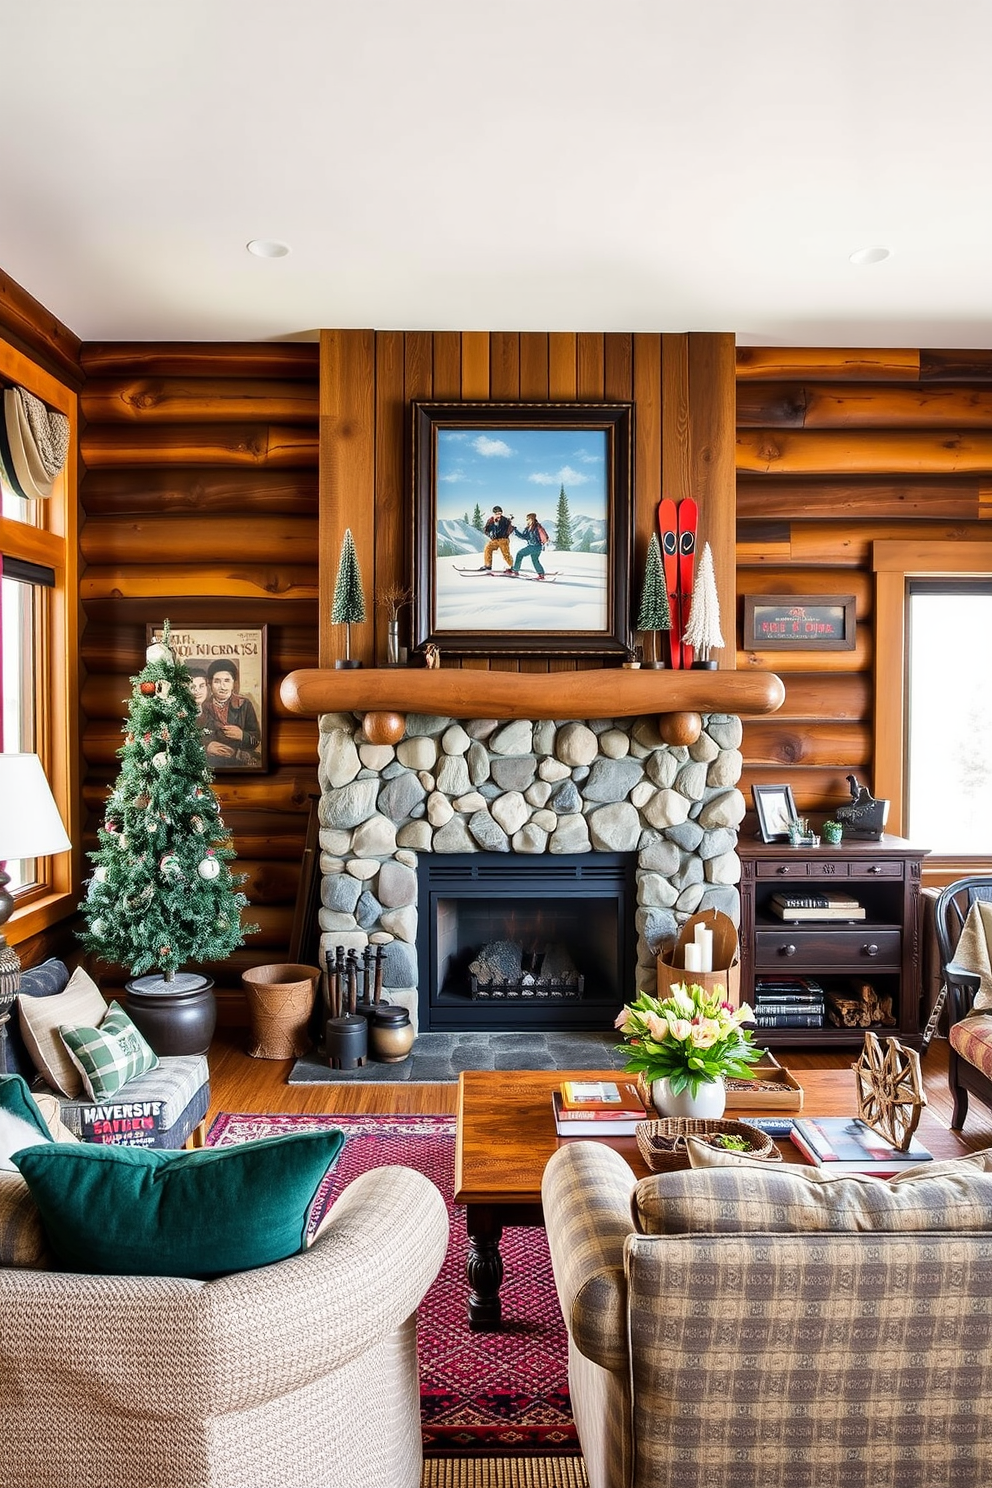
(432, 657)
(863, 815)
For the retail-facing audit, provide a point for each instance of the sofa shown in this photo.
(751, 1325)
(301, 1372)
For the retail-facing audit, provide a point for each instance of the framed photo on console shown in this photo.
(228, 667)
(522, 528)
(776, 808)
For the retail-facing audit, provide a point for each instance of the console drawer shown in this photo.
(827, 950)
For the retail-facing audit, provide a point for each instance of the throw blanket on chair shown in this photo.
(974, 951)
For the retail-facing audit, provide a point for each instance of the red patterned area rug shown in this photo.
(480, 1393)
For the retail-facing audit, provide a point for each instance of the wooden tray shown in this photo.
(769, 1087)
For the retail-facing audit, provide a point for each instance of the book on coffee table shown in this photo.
(842, 1144)
(614, 1097)
(573, 1123)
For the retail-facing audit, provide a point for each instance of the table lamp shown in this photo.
(30, 827)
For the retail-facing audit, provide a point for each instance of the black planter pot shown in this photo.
(350, 663)
(703, 666)
(177, 1017)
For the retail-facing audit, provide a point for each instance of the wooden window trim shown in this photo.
(895, 562)
(54, 545)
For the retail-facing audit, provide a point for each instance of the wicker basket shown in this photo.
(280, 1000)
(663, 1147)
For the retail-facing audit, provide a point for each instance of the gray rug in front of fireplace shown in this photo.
(439, 1058)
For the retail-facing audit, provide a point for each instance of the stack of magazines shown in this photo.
(788, 1002)
(598, 1108)
(797, 909)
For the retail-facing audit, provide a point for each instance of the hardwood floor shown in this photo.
(240, 1083)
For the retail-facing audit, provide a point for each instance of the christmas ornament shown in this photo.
(142, 800)
(161, 689)
(209, 867)
(98, 927)
(159, 652)
(196, 822)
(160, 760)
(170, 867)
(100, 874)
(112, 824)
(147, 689)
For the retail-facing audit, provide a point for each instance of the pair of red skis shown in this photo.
(677, 530)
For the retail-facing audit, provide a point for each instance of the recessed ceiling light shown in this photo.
(267, 248)
(870, 255)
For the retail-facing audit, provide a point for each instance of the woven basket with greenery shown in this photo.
(663, 1147)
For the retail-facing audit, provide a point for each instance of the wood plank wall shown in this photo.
(681, 385)
(199, 503)
(837, 449)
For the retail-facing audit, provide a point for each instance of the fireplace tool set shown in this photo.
(357, 1025)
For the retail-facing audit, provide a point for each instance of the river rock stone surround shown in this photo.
(487, 785)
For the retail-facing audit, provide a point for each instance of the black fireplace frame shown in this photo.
(594, 875)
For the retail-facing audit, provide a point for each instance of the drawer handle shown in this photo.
(874, 868)
(788, 950)
(870, 950)
(782, 868)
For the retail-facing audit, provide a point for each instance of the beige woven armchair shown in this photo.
(302, 1373)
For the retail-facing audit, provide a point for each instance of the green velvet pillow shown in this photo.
(138, 1211)
(21, 1122)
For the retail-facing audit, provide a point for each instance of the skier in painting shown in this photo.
(497, 530)
(535, 538)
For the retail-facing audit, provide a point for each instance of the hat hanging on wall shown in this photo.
(34, 442)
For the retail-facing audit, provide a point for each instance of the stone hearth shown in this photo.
(527, 787)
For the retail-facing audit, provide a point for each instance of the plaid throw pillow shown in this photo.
(108, 1056)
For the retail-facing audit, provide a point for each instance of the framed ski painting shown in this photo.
(521, 528)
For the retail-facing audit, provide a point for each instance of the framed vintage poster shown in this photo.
(776, 808)
(521, 516)
(799, 622)
(228, 668)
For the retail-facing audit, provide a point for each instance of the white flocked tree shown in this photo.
(702, 632)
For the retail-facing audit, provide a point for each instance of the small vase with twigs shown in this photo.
(393, 598)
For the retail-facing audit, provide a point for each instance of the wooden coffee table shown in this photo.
(506, 1133)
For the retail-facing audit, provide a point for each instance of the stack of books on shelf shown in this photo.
(788, 1002)
(598, 1108)
(842, 1144)
(810, 906)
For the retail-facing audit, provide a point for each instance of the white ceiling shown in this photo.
(501, 164)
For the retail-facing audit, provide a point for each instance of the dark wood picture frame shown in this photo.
(595, 589)
(775, 806)
(245, 648)
(799, 622)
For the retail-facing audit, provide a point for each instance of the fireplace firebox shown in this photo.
(520, 941)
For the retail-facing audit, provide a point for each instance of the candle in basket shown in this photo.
(704, 940)
(693, 956)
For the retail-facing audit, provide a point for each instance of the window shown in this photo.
(932, 681)
(38, 646)
(949, 717)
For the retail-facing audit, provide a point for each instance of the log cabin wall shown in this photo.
(682, 387)
(837, 449)
(198, 502)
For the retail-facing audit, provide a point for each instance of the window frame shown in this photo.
(53, 544)
(895, 564)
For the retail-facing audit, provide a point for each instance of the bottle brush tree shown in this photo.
(702, 631)
(655, 613)
(348, 607)
(162, 893)
(563, 523)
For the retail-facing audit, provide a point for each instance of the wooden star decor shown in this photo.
(890, 1090)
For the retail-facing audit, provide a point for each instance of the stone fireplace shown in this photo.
(525, 796)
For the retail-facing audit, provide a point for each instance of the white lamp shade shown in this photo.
(30, 825)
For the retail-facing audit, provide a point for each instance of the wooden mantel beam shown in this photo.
(608, 692)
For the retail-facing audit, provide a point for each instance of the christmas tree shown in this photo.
(162, 893)
(563, 524)
(702, 631)
(348, 606)
(655, 613)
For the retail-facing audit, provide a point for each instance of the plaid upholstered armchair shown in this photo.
(749, 1326)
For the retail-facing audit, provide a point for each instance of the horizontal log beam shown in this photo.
(164, 584)
(817, 405)
(815, 787)
(875, 452)
(954, 498)
(182, 489)
(292, 742)
(166, 539)
(770, 580)
(777, 742)
(254, 445)
(832, 363)
(269, 882)
(834, 697)
(114, 609)
(283, 793)
(120, 649)
(842, 544)
(282, 359)
(148, 401)
(787, 662)
(26, 323)
(612, 692)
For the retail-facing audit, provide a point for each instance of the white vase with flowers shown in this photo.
(685, 1046)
